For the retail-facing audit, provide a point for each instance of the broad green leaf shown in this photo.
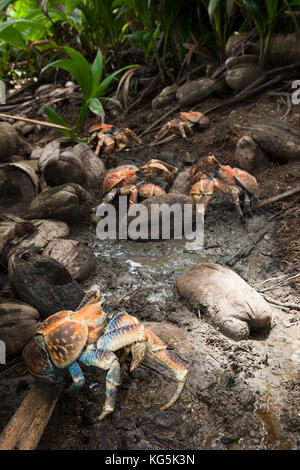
(105, 84)
(70, 67)
(96, 107)
(54, 118)
(97, 71)
(14, 38)
(212, 8)
(256, 15)
(84, 70)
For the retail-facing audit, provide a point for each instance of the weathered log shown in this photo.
(76, 257)
(43, 283)
(19, 184)
(76, 164)
(277, 138)
(248, 155)
(26, 427)
(17, 323)
(9, 141)
(11, 233)
(64, 202)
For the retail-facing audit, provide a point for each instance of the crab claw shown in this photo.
(196, 117)
(105, 128)
(160, 167)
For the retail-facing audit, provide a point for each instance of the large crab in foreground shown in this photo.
(232, 181)
(186, 121)
(134, 183)
(91, 335)
(110, 139)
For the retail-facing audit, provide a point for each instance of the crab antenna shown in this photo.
(91, 297)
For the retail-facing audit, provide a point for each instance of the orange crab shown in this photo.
(110, 139)
(91, 335)
(134, 183)
(232, 181)
(186, 121)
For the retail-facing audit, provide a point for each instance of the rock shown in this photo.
(248, 155)
(167, 95)
(231, 304)
(148, 225)
(19, 184)
(64, 202)
(181, 183)
(76, 257)
(242, 71)
(44, 283)
(195, 91)
(17, 323)
(172, 336)
(9, 141)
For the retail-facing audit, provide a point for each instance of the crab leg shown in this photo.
(106, 360)
(78, 378)
(150, 189)
(202, 191)
(233, 191)
(140, 338)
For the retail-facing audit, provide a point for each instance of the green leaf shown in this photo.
(96, 107)
(54, 117)
(84, 70)
(212, 8)
(256, 15)
(13, 37)
(97, 71)
(105, 84)
(70, 67)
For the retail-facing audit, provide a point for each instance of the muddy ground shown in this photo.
(239, 395)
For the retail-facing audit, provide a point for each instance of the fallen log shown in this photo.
(26, 427)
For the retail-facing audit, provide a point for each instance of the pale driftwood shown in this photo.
(280, 196)
(34, 121)
(19, 184)
(26, 427)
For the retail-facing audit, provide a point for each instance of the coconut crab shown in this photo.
(91, 335)
(133, 183)
(232, 181)
(110, 139)
(185, 121)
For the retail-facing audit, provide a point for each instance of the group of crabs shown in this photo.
(93, 333)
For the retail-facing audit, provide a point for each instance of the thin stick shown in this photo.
(276, 198)
(35, 121)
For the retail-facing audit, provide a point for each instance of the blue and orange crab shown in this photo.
(232, 181)
(133, 183)
(110, 139)
(91, 335)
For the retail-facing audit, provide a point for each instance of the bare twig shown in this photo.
(280, 196)
(34, 121)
